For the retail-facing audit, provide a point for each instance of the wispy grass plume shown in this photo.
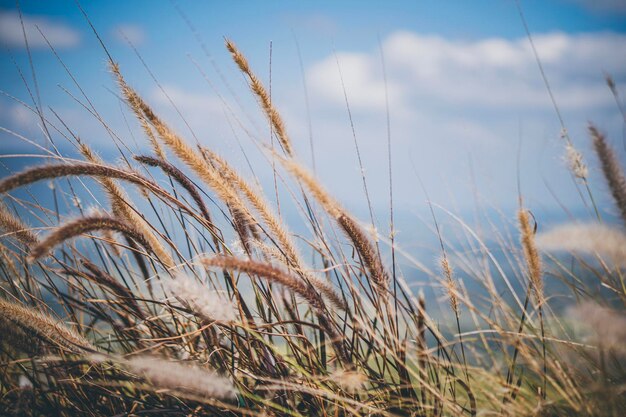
(531, 255)
(611, 168)
(85, 225)
(264, 98)
(15, 227)
(270, 273)
(164, 374)
(121, 206)
(350, 227)
(23, 325)
(595, 239)
(606, 326)
(202, 301)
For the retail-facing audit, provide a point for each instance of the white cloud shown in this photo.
(360, 77)
(194, 105)
(204, 113)
(134, 33)
(455, 101)
(59, 34)
(491, 73)
(22, 117)
(15, 116)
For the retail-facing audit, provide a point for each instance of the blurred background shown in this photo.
(453, 86)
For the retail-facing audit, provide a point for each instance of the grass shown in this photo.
(192, 298)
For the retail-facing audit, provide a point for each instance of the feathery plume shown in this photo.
(85, 225)
(350, 380)
(321, 195)
(135, 105)
(607, 327)
(120, 204)
(40, 173)
(350, 227)
(575, 161)
(319, 283)
(26, 325)
(533, 261)
(220, 180)
(102, 171)
(326, 289)
(597, 239)
(14, 226)
(367, 252)
(421, 332)
(264, 98)
(611, 169)
(163, 374)
(35, 174)
(183, 151)
(257, 201)
(180, 178)
(208, 304)
(450, 284)
(287, 247)
(296, 285)
(270, 273)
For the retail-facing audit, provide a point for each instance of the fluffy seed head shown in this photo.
(611, 168)
(351, 381)
(450, 284)
(575, 161)
(350, 227)
(264, 98)
(15, 227)
(606, 326)
(163, 374)
(208, 304)
(270, 273)
(85, 225)
(24, 326)
(596, 239)
(533, 261)
(368, 254)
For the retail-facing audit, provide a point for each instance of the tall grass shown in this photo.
(168, 304)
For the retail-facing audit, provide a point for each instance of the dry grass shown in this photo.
(27, 328)
(13, 226)
(215, 312)
(531, 255)
(611, 168)
(264, 98)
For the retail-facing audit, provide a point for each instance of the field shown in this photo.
(168, 282)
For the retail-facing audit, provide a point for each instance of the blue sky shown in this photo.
(464, 89)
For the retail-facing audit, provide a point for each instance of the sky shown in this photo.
(453, 85)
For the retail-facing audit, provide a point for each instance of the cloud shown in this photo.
(16, 116)
(134, 33)
(459, 105)
(358, 72)
(22, 117)
(204, 113)
(59, 34)
(490, 73)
